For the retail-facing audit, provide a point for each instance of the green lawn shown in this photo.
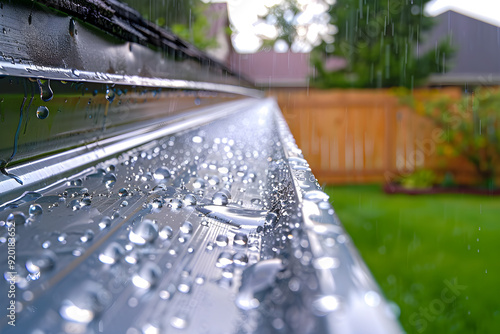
(419, 246)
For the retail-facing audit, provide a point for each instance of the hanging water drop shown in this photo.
(110, 95)
(46, 93)
(72, 27)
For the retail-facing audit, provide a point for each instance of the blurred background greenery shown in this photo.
(413, 244)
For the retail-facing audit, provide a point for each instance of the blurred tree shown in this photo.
(185, 18)
(469, 128)
(380, 42)
(301, 24)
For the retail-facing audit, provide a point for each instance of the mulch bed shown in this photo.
(394, 188)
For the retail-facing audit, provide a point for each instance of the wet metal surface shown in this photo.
(220, 228)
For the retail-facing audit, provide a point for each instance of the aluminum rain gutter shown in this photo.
(147, 189)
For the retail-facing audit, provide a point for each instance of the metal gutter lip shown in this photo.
(64, 74)
(343, 277)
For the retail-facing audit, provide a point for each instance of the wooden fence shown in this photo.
(360, 136)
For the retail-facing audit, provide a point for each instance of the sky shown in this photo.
(244, 17)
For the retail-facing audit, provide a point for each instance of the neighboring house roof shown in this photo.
(271, 69)
(476, 60)
(477, 50)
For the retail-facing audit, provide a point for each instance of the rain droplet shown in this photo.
(213, 180)
(220, 198)
(87, 236)
(197, 139)
(256, 202)
(16, 218)
(179, 321)
(109, 180)
(150, 328)
(113, 253)
(144, 232)
(210, 247)
(147, 276)
(186, 228)
(190, 199)
(185, 284)
(162, 174)
(222, 240)
(86, 201)
(72, 27)
(271, 219)
(75, 205)
(372, 298)
(35, 210)
(132, 257)
(110, 95)
(175, 203)
(123, 192)
(256, 278)
(326, 304)
(166, 233)
(316, 196)
(225, 259)
(240, 259)
(240, 239)
(45, 261)
(46, 93)
(199, 183)
(105, 222)
(85, 303)
(326, 262)
(42, 112)
(234, 215)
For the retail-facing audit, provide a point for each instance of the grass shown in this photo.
(417, 246)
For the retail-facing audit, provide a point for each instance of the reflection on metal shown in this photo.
(163, 205)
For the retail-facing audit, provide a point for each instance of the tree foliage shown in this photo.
(380, 40)
(186, 18)
(469, 127)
